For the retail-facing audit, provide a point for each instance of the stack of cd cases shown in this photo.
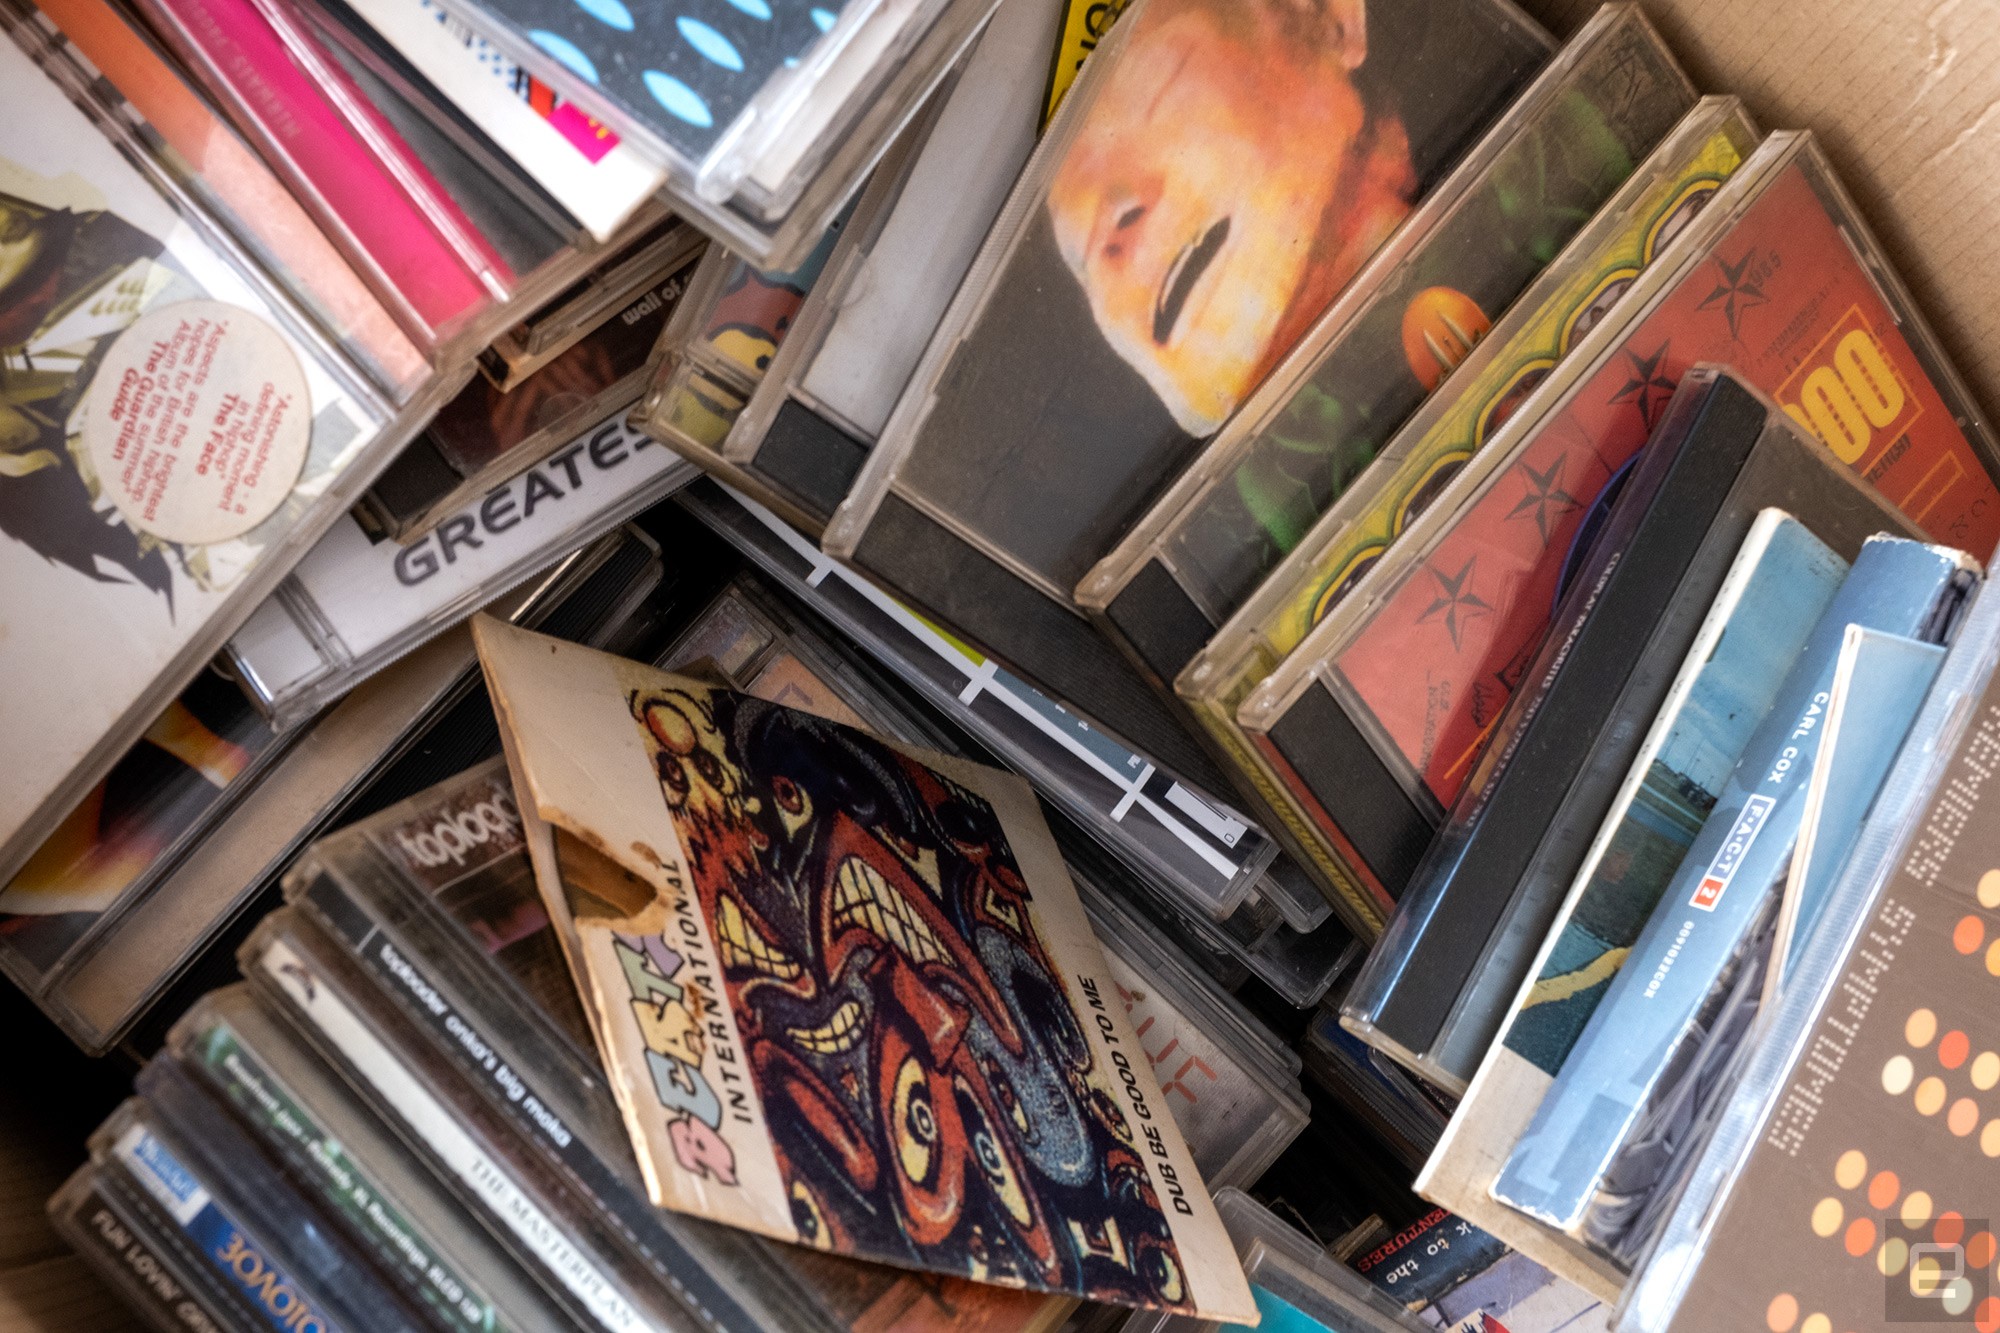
(190, 1189)
(1232, 1088)
(252, 280)
(229, 1057)
(1418, 311)
(124, 570)
(1097, 340)
(762, 119)
(805, 424)
(420, 1004)
(415, 959)
(1214, 870)
(204, 815)
(400, 1122)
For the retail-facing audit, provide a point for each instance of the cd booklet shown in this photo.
(845, 992)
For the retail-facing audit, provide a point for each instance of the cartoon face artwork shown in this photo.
(926, 1080)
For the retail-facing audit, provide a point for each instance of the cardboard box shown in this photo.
(1905, 98)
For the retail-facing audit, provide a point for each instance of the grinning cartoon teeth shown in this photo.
(742, 946)
(864, 899)
(837, 1036)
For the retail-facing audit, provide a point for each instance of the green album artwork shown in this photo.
(1429, 313)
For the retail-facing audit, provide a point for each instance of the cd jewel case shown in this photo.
(161, 1284)
(1096, 342)
(175, 439)
(765, 118)
(809, 422)
(1428, 297)
(485, 436)
(356, 602)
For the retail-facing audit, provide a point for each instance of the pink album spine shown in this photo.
(389, 148)
(301, 128)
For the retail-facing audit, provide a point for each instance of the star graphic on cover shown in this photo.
(1649, 387)
(1735, 291)
(1545, 498)
(1455, 601)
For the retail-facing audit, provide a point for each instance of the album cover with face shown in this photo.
(1220, 172)
(845, 990)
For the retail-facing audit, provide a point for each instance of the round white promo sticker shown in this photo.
(198, 422)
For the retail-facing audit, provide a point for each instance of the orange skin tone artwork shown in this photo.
(1227, 182)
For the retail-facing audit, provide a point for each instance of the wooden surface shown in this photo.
(50, 1100)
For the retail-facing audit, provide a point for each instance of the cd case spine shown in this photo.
(1410, 740)
(255, 1235)
(1395, 336)
(354, 605)
(354, 174)
(346, 1161)
(140, 1261)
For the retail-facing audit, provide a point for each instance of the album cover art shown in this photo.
(1424, 317)
(1855, 1188)
(163, 428)
(1784, 300)
(1516, 368)
(846, 992)
(489, 894)
(1197, 205)
(684, 70)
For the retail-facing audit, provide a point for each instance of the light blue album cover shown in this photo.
(1792, 576)
(1883, 679)
(1648, 1030)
